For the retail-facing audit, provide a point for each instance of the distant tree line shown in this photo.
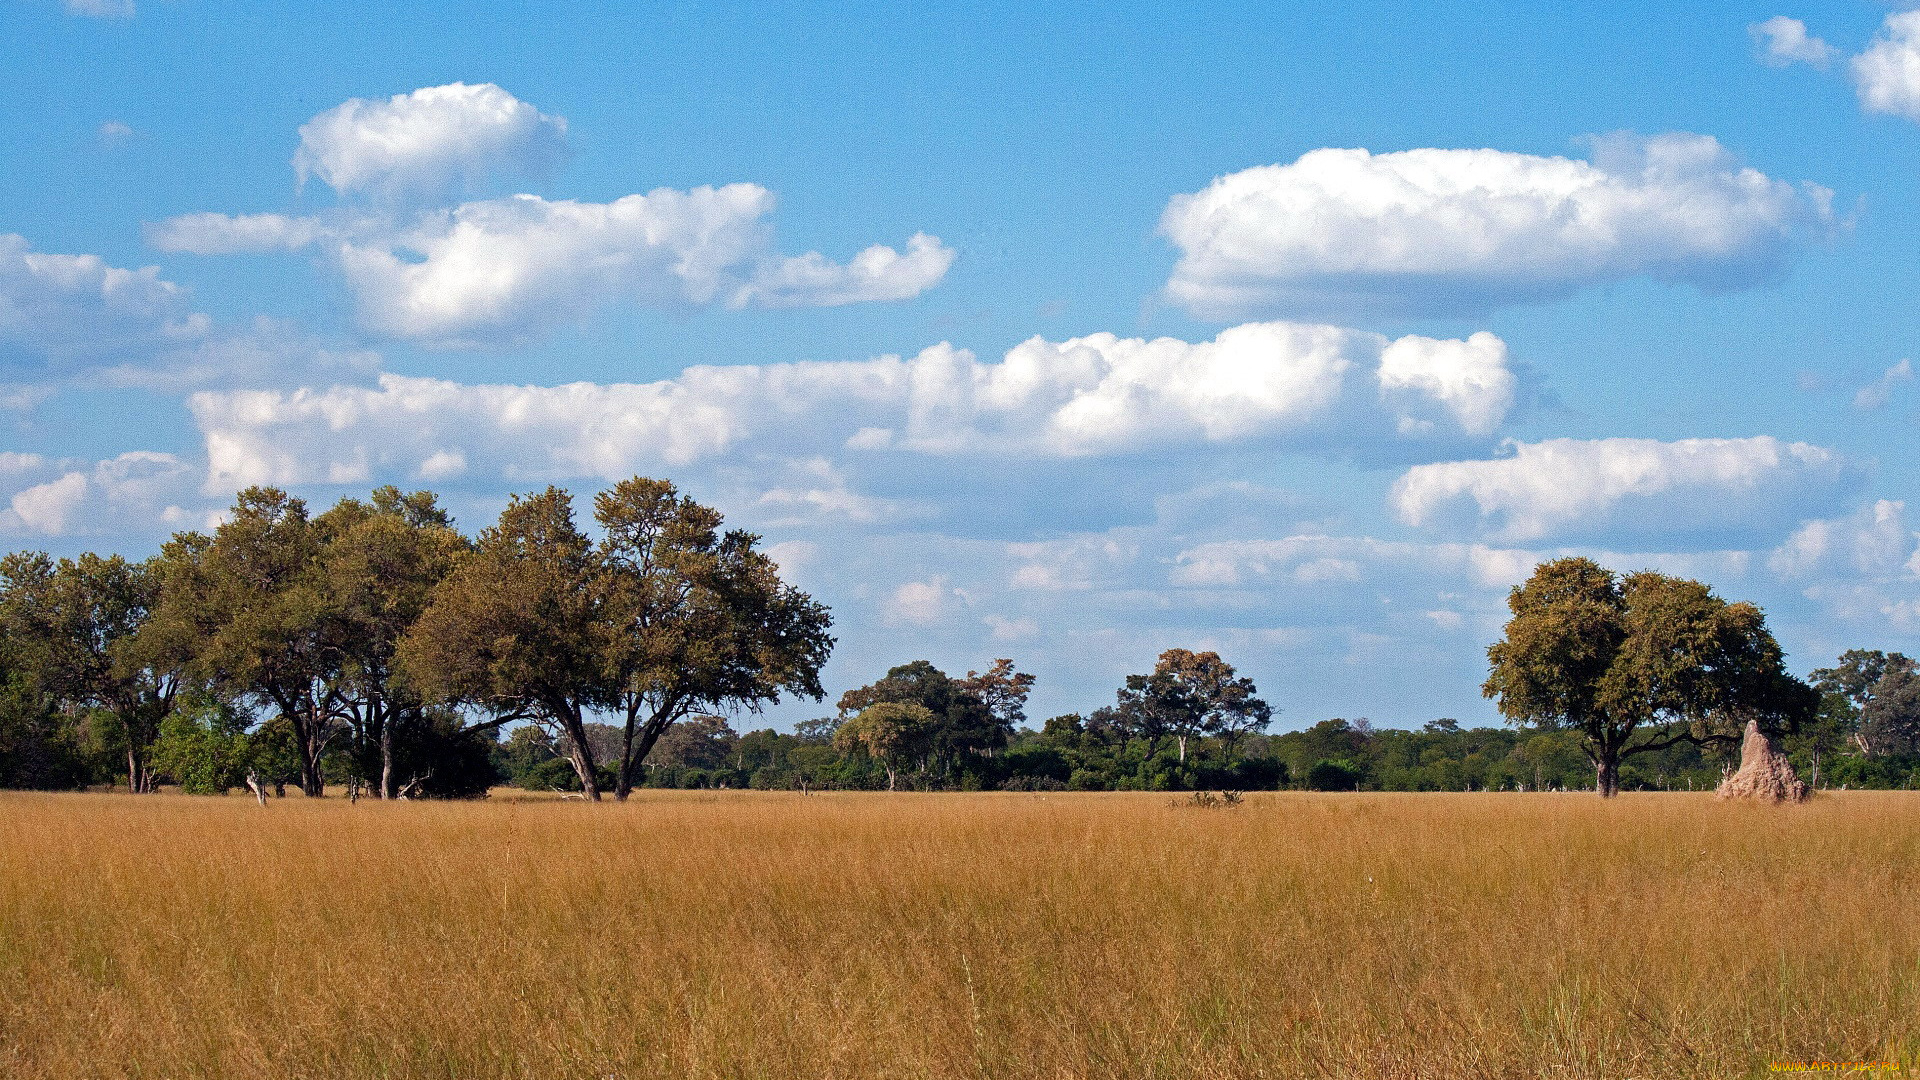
(375, 648)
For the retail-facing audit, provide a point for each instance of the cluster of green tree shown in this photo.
(1867, 731)
(1073, 753)
(1190, 723)
(377, 647)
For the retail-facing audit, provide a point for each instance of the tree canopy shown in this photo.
(664, 617)
(1637, 664)
(1187, 695)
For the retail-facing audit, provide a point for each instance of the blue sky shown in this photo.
(1069, 335)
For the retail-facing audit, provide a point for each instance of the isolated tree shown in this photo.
(697, 621)
(71, 628)
(518, 628)
(893, 733)
(1637, 664)
(1188, 695)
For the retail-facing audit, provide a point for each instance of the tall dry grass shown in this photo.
(751, 935)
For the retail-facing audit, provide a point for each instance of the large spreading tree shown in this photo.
(1638, 663)
(698, 621)
(1188, 695)
(518, 629)
(666, 617)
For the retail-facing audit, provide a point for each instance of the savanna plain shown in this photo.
(863, 935)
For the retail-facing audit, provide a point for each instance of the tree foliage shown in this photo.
(1638, 664)
(664, 617)
(71, 628)
(890, 732)
(1188, 695)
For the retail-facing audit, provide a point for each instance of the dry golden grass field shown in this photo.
(990, 936)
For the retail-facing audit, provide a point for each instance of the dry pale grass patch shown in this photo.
(771, 935)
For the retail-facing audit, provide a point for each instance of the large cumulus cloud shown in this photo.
(499, 271)
(1436, 231)
(428, 141)
(1640, 488)
(1295, 385)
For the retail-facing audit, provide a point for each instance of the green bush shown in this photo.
(1087, 780)
(204, 747)
(1333, 775)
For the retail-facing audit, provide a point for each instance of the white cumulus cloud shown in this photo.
(1782, 41)
(495, 271)
(1436, 231)
(428, 141)
(113, 496)
(919, 603)
(1469, 379)
(66, 312)
(1863, 568)
(1642, 486)
(235, 234)
(877, 274)
(1318, 558)
(1875, 542)
(1308, 387)
(1887, 74)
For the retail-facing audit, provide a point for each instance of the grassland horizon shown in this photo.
(745, 934)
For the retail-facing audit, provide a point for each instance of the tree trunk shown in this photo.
(386, 757)
(307, 740)
(312, 783)
(1606, 776)
(1183, 748)
(580, 754)
(136, 776)
(889, 778)
(582, 759)
(635, 757)
(623, 777)
(1816, 767)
